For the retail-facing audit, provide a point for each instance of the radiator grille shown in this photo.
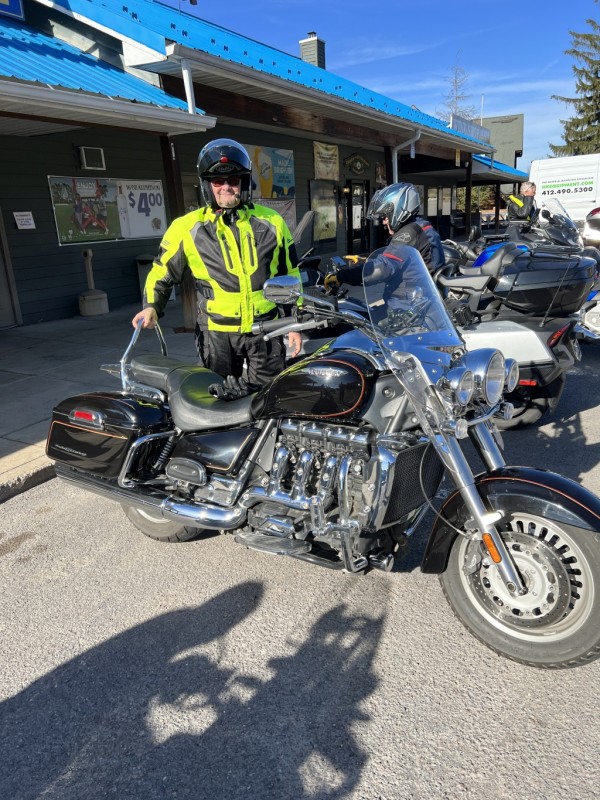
(406, 492)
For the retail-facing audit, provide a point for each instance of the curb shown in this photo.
(25, 482)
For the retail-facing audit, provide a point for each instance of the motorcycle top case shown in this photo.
(545, 283)
(93, 432)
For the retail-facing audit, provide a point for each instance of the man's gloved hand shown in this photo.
(232, 388)
(332, 283)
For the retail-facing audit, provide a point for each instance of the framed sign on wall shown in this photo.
(323, 201)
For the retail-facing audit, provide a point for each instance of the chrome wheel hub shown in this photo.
(560, 587)
(548, 589)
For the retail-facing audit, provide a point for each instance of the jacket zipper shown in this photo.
(250, 248)
(227, 251)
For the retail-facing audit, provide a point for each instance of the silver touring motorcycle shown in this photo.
(339, 458)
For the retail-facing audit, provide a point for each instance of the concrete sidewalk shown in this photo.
(42, 364)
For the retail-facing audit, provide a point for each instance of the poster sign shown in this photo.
(327, 161)
(287, 209)
(85, 209)
(12, 8)
(323, 202)
(272, 172)
(106, 209)
(141, 208)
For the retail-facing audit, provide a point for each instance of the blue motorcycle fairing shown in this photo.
(545, 494)
(489, 251)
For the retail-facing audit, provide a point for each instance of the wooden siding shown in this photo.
(50, 277)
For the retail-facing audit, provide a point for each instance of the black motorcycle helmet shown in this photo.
(223, 157)
(399, 202)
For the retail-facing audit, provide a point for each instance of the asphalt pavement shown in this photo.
(44, 363)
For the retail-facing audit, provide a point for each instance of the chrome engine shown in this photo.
(327, 484)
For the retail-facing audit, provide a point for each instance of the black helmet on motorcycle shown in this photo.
(399, 202)
(223, 158)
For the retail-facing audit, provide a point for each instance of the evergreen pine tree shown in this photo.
(581, 133)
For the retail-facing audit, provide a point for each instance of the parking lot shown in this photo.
(134, 669)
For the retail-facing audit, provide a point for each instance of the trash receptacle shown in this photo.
(144, 265)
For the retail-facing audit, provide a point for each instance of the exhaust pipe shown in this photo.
(196, 516)
(192, 514)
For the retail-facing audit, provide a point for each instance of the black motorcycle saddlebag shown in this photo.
(93, 432)
(545, 283)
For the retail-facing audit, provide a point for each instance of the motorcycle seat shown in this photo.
(153, 370)
(194, 408)
(186, 385)
(503, 256)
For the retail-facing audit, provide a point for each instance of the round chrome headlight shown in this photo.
(459, 385)
(493, 385)
(511, 378)
(488, 368)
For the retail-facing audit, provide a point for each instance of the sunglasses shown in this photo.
(232, 181)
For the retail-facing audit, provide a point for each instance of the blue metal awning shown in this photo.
(158, 23)
(27, 54)
(507, 173)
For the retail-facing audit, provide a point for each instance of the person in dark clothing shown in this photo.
(438, 256)
(397, 206)
(521, 207)
(231, 246)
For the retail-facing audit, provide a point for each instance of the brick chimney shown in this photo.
(312, 50)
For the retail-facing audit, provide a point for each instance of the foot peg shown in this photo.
(272, 544)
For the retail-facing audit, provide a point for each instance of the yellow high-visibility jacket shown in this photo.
(520, 207)
(230, 255)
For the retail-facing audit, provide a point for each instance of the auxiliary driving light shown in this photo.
(459, 385)
(511, 379)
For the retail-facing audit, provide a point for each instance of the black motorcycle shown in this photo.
(337, 460)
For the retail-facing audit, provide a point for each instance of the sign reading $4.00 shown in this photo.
(141, 208)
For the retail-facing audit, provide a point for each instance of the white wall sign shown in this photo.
(141, 207)
(24, 220)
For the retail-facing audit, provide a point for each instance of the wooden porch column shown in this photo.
(174, 191)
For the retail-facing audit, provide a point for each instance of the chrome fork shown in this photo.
(457, 465)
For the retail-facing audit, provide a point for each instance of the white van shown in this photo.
(574, 180)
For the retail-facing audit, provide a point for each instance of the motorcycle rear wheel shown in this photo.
(553, 626)
(152, 524)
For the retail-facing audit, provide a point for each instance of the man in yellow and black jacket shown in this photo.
(231, 247)
(520, 207)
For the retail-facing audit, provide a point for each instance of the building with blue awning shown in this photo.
(107, 104)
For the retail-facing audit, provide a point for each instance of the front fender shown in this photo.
(538, 491)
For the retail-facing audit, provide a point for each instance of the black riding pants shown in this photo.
(225, 353)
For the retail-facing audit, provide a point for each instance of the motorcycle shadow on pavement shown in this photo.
(565, 441)
(154, 712)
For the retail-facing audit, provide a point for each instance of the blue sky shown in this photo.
(512, 52)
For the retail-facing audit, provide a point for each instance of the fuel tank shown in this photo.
(331, 385)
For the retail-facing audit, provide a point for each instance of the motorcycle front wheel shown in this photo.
(152, 524)
(556, 623)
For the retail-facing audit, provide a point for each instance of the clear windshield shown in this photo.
(556, 208)
(412, 326)
(404, 305)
